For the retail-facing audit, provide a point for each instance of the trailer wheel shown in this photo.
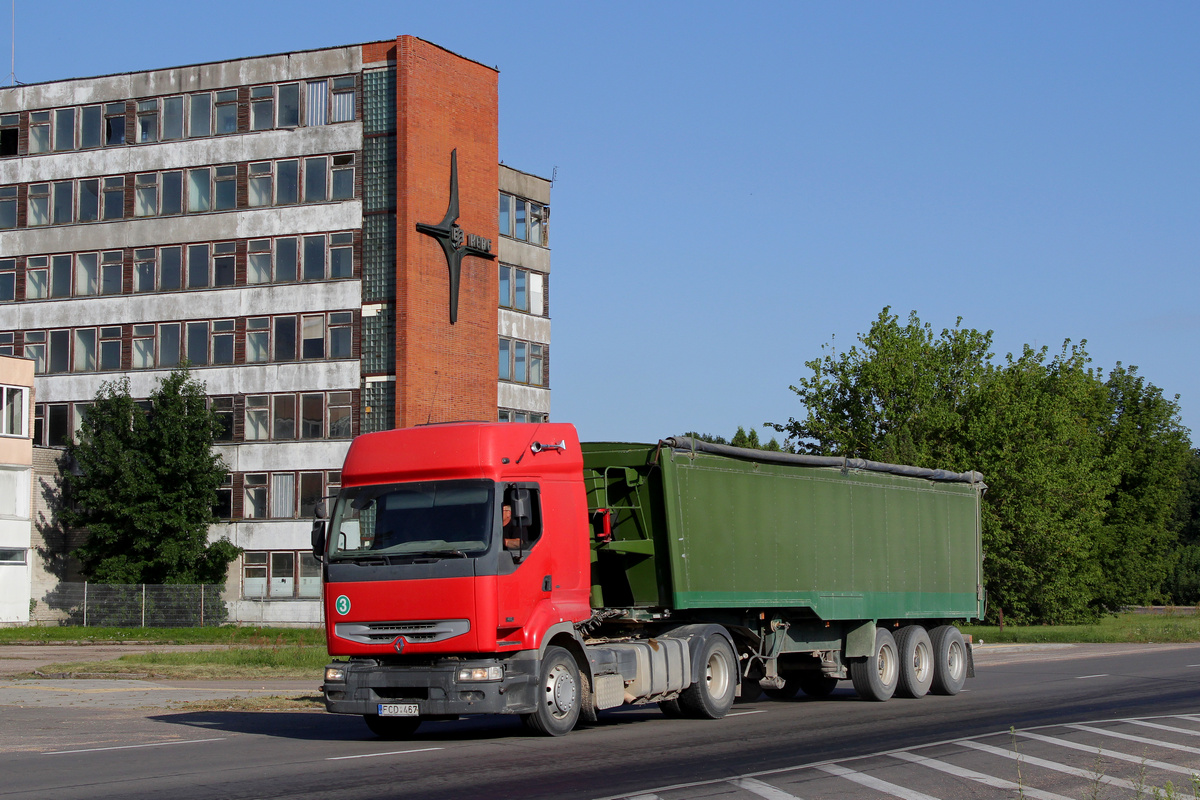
(916, 661)
(949, 660)
(816, 685)
(711, 696)
(875, 677)
(392, 727)
(557, 694)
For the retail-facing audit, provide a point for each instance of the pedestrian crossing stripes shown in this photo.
(1055, 762)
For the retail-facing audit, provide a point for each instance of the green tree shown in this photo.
(1148, 447)
(144, 485)
(1184, 583)
(898, 395)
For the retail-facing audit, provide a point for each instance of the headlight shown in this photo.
(480, 674)
(334, 674)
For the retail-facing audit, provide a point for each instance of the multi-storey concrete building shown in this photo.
(16, 487)
(259, 219)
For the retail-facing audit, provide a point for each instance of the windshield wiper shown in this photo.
(438, 554)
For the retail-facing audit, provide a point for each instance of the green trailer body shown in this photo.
(695, 531)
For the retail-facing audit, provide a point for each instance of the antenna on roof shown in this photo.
(13, 74)
(553, 175)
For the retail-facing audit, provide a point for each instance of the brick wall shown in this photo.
(444, 102)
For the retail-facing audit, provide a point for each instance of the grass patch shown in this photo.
(228, 634)
(1175, 626)
(289, 662)
(272, 703)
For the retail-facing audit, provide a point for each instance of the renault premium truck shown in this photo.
(506, 568)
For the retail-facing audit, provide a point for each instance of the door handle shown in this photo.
(547, 583)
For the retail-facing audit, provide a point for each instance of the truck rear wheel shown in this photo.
(711, 695)
(916, 661)
(392, 727)
(949, 660)
(875, 676)
(557, 694)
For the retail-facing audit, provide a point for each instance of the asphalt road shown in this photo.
(85, 751)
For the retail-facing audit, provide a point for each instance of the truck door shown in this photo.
(525, 576)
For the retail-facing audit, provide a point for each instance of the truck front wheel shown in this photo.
(557, 694)
(875, 677)
(711, 695)
(392, 727)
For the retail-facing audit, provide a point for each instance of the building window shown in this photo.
(200, 114)
(111, 269)
(314, 258)
(289, 105)
(114, 124)
(146, 195)
(85, 350)
(37, 278)
(341, 255)
(39, 132)
(110, 348)
(60, 276)
(340, 425)
(317, 105)
(172, 118)
(284, 413)
(316, 174)
(226, 111)
(225, 188)
(197, 269)
(343, 177)
(144, 271)
(12, 555)
(143, 346)
(285, 338)
(287, 182)
(58, 420)
(224, 505)
(258, 340)
(258, 417)
(64, 202)
(91, 127)
(169, 335)
(8, 207)
(343, 99)
(35, 349)
(254, 503)
(523, 219)
(511, 415)
(89, 200)
(312, 336)
(114, 198)
(199, 190)
(14, 411)
(222, 341)
(59, 355)
(64, 129)
(273, 575)
(258, 188)
(283, 495)
(254, 574)
(87, 274)
(8, 282)
(514, 288)
(312, 416)
(39, 205)
(172, 193)
(224, 263)
(10, 132)
(197, 343)
(522, 362)
(170, 269)
(147, 121)
(287, 256)
(262, 108)
(341, 334)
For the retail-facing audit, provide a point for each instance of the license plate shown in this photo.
(398, 710)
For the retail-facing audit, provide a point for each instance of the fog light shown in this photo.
(334, 674)
(480, 674)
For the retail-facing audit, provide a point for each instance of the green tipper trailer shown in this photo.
(812, 563)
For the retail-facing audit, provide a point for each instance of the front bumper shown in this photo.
(433, 687)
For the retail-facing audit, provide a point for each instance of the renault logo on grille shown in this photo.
(398, 644)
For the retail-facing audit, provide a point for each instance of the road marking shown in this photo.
(1085, 677)
(875, 783)
(762, 789)
(1054, 765)
(744, 713)
(1138, 739)
(130, 746)
(1170, 728)
(979, 777)
(392, 753)
(645, 797)
(1100, 751)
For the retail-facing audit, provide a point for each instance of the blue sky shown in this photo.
(736, 187)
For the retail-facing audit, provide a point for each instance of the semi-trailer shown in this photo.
(506, 568)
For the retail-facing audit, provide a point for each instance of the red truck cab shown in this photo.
(453, 555)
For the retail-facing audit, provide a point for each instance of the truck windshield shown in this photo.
(434, 518)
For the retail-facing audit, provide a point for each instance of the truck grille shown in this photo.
(413, 632)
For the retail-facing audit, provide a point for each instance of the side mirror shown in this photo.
(320, 512)
(318, 539)
(522, 513)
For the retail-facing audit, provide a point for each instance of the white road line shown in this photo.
(393, 753)
(1054, 765)
(1085, 677)
(1138, 739)
(1155, 725)
(644, 797)
(979, 777)
(130, 746)
(762, 789)
(1101, 751)
(875, 783)
(744, 713)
